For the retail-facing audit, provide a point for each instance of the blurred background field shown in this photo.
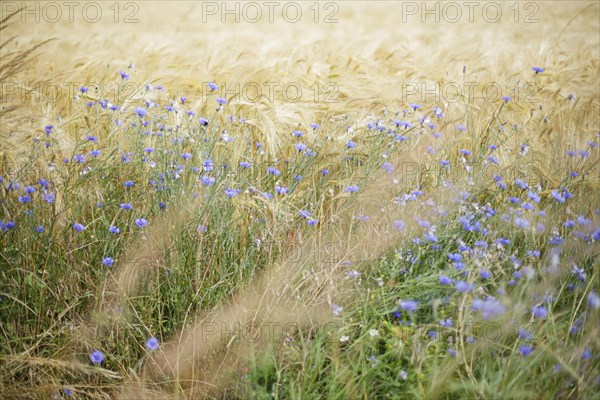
(368, 54)
(167, 168)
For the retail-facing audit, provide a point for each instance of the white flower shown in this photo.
(344, 339)
(373, 332)
(336, 309)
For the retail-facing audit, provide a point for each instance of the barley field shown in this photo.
(299, 200)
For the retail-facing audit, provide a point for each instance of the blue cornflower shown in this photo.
(524, 334)
(152, 343)
(459, 266)
(481, 243)
(520, 183)
(97, 357)
(569, 224)
(49, 197)
(129, 184)
(399, 225)
(25, 198)
(408, 305)
(213, 86)
(108, 261)
(40, 229)
(78, 227)
(492, 160)
(94, 153)
(298, 133)
(489, 308)
(221, 101)
(586, 354)
(558, 196)
(281, 189)
(304, 213)
(208, 165)
(207, 180)
(430, 237)
(387, 167)
(463, 286)
(43, 183)
(350, 144)
(312, 221)
(300, 146)
(455, 257)
(424, 223)
(203, 121)
(506, 98)
(114, 230)
(502, 241)
(525, 350)
(539, 311)
(126, 206)
(124, 75)
(593, 300)
(229, 192)
(4, 226)
(446, 323)
(141, 112)
(273, 171)
(485, 274)
(315, 126)
(140, 222)
(125, 159)
(582, 220)
(533, 253)
(80, 158)
(48, 129)
(540, 227)
(538, 70)
(91, 138)
(533, 196)
(556, 240)
(444, 280)
(353, 274)
(522, 223)
(351, 189)
(245, 164)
